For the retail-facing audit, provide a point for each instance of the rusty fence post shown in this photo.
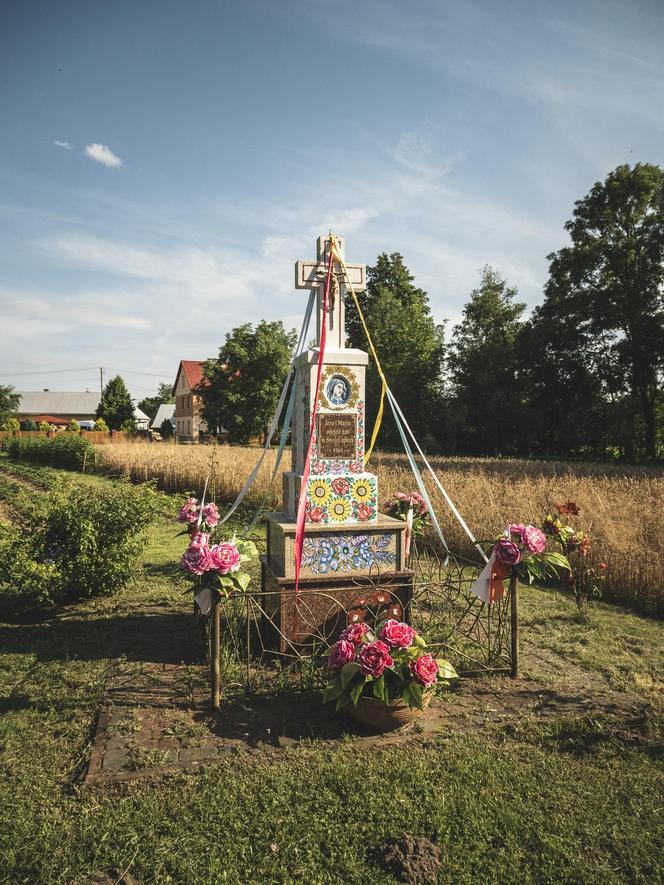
(514, 625)
(215, 663)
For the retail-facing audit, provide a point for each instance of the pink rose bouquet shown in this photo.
(401, 503)
(521, 551)
(389, 662)
(198, 519)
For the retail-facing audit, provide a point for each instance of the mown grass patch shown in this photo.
(573, 800)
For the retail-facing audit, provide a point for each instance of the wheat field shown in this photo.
(622, 507)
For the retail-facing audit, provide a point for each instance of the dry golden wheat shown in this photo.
(620, 506)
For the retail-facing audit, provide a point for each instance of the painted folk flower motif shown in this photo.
(339, 509)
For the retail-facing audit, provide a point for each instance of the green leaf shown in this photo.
(418, 641)
(242, 579)
(246, 548)
(333, 690)
(356, 691)
(226, 582)
(348, 671)
(446, 670)
(412, 695)
(380, 690)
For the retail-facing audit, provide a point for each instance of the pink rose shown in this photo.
(225, 558)
(355, 467)
(354, 633)
(341, 486)
(374, 657)
(341, 653)
(397, 634)
(533, 539)
(364, 512)
(507, 552)
(211, 515)
(517, 528)
(189, 511)
(318, 468)
(197, 558)
(315, 514)
(424, 670)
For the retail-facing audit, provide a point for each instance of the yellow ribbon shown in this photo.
(379, 416)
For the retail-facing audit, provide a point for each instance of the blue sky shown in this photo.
(163, 164)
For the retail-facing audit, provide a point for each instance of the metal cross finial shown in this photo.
(312, 275)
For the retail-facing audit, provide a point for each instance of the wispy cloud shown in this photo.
(63, 144)
(103, 154)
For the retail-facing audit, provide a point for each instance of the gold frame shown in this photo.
(350, 377)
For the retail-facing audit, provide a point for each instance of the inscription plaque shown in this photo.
(337, 436)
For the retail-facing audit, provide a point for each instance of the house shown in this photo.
(141, 420)
(165, 412)
(65, 405)
(189, 425)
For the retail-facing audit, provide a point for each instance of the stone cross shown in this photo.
(312, 275)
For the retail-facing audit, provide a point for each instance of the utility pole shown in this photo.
(101, 389)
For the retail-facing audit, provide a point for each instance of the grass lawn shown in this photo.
(566, 800)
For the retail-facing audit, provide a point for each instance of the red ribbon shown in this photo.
(302, 502)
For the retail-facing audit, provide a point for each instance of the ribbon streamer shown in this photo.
(302, 501)
(275, 420)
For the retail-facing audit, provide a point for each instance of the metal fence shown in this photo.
(265, 642)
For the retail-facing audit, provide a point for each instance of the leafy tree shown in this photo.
(166, 430)
(101, 425)
(73, 426)
(150, 404)
(11, 424)
(482, 364)
(242, 385)
(28, 424)
(128, 426)
(116, 406)
(409, 344)
(8, 402)
(611, 282)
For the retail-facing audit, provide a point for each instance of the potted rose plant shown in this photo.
(383, 677)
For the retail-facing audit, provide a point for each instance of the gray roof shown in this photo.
(56, 403)
(165, 410)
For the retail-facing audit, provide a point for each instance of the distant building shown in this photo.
(67, 405)
(141, 420)
(189, 425)
(165, 412)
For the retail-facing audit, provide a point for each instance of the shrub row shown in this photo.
(64, 450)
(78, 543)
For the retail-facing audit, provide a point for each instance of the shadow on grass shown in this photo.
(153, 638)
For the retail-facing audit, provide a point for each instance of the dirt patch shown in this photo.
(412, 859)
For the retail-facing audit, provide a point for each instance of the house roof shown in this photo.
(54, 402)
(164, 412)
(193, 371)
(49, 419)
(139, 415)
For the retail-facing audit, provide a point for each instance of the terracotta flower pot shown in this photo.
(385, 717)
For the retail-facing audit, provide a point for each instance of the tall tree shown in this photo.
(116, 406)
(483, 368)
(8, 402)
(611, 281)
(242, 385)
(409, 344)
(150, 404)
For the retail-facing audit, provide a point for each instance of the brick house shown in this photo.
(189, 425)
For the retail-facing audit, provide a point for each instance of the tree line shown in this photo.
(581, 376)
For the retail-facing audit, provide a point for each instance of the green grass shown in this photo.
(570, 800)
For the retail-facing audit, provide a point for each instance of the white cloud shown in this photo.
(63, 144)
(103, 154)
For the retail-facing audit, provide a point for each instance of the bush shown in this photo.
(84, 543)
(73, 426)
(11, 424)
(166, 430)
(64, 450)
(101, 425)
